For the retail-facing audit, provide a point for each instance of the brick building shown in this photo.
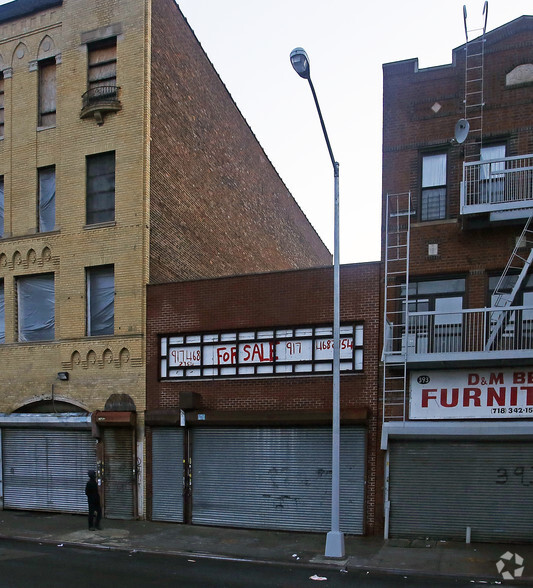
(458, 303)
(123, 162)
(239, 397)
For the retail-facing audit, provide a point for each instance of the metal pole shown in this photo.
(335, 538)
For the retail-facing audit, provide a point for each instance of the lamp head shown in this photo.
(300, 63)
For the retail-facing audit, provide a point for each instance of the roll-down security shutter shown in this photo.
(46, 469)
(119, 473)
(438, 488)
(167, 474)
(276, 478)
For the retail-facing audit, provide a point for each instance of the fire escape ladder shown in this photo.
(474, 100)
(505, 292)
(394, 381)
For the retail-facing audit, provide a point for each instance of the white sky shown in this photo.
(249, 42)
(347, 41)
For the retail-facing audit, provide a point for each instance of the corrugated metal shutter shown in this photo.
(167, 474)
(437, 489)
(119, 477)
(46, 469)
(276, 478)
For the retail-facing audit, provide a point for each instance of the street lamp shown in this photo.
(335, 538)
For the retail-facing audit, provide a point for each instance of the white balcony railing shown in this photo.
(463, 335)
(497, 185)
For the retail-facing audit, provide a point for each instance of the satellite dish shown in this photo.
(461, 130)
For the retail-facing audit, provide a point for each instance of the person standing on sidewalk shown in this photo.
(93, 499)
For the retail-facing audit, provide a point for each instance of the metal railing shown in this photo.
(100, 95)
(448, 335)
(497, 184)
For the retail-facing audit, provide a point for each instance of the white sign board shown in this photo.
(471, 394)
(264, 352)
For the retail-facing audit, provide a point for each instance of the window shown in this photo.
(260, 353)
(439, 328)
(491, 174)
(47, 93)
(102, 66)
(1, 206)
(36, 308)
(2, 314)
(433, 205)
(101, 300)
(101, 188)
(47, 198)
(1, 104)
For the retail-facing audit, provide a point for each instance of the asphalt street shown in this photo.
(24, 564)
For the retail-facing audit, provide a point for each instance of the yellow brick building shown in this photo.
(123, 162)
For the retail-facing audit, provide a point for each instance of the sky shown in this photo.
(347, 41)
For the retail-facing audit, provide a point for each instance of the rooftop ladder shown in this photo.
(398, 221)
(474, 100)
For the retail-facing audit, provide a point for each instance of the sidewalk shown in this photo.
(474, 561)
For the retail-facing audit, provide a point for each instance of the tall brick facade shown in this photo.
(191, 195)
(456, 219)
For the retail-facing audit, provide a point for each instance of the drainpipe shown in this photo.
(386, 497)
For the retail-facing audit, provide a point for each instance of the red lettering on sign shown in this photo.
(494, 395)
(496, 378)
(454, 401)
(473, 379)
(471, 394)
(529, 395)
(523, 378)
(226, 355)
(427, 395)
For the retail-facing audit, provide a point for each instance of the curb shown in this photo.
(344, 564)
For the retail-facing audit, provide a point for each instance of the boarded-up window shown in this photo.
(47, 93)
(101, 300)
(2, 314)
(101, 187)
(47, 198)
(2, 200)
(36, 308)
(1, 104)
(102, 64)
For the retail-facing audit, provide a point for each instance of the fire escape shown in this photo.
(492, 190)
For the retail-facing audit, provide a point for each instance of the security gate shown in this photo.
(167, 474)
(438, 488)
(119, 473)
(276, 478)
(46, 469)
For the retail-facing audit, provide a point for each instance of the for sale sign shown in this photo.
(471, 394)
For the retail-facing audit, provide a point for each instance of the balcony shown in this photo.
(471, 336)
(501, 187)
(99, 101)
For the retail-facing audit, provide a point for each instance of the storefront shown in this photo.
(264, 477)
(45, 459)
(239, 401)
(463, 464)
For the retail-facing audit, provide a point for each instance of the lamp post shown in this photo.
(335, 538)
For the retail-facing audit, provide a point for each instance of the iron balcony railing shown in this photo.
(462, 335)
(497, 185)
(100, 95)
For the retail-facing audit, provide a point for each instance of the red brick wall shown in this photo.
(274, 300)
(410, 126)
(218, 207)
